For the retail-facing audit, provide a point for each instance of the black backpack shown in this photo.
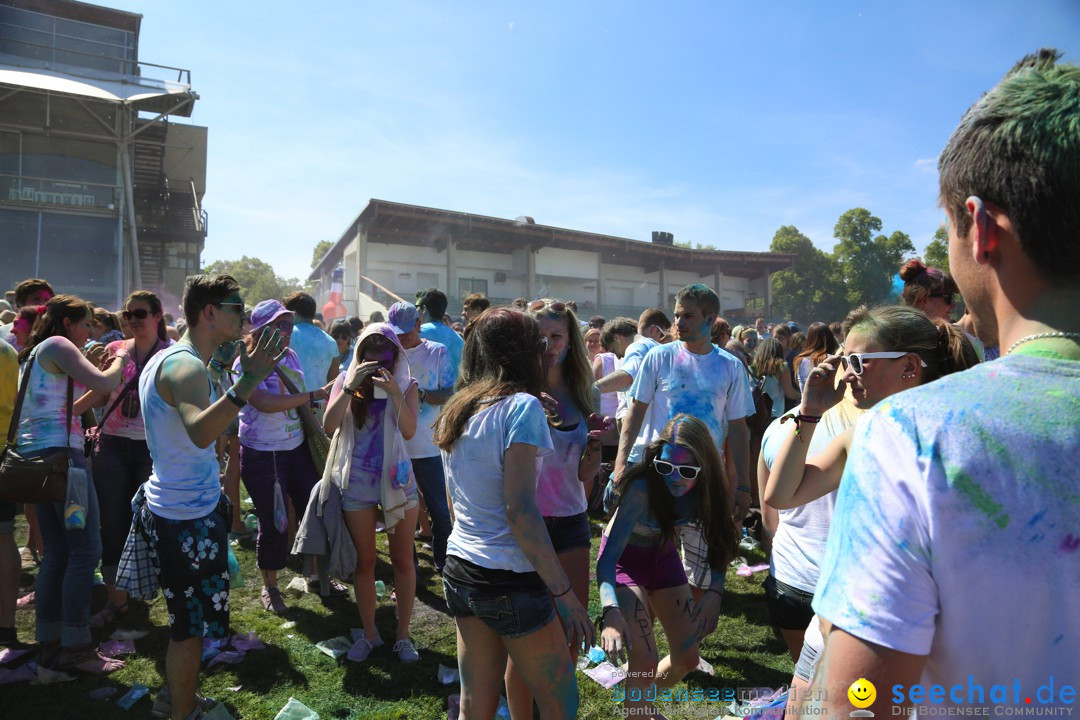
(763, 406)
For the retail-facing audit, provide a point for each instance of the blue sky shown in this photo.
(718, 121)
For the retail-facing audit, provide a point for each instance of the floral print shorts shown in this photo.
(193, 558)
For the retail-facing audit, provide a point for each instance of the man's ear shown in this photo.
(984, 220)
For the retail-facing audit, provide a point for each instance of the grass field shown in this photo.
(744, 651)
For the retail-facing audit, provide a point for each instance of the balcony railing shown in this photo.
(64, 193)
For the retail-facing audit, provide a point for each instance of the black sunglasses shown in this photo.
(138, 314)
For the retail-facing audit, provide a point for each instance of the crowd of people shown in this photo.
(931, 484)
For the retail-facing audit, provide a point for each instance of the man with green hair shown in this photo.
(953, 565)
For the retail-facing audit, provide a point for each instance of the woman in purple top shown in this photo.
(274, 460)
(121, 458)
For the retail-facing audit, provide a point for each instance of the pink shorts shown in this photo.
(653, 567)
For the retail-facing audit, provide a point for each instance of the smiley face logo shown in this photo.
(862, 693)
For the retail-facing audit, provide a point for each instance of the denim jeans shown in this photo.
(66, 577)
(432, 483)
(121, 465)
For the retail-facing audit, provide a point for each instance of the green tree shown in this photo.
(868, 263)
(321, 248)
(811, 289)
(257, 279)
(937, 252)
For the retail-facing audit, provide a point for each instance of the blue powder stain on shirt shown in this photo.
(1036, 518)
(1059, 638)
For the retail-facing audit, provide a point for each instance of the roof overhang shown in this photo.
(414, 225)
(150, 95)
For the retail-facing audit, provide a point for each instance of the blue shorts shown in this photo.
(511, 608)
(569, 533)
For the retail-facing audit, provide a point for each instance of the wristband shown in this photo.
(799, 419)
(422, 394)
(235, 399)
(564, 592)
(742, 488)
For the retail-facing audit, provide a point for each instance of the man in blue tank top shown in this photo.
(183, 516)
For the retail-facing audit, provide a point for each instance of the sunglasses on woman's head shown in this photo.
(857, 360)
(554, 305)
(687, 472)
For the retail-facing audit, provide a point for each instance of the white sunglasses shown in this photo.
(857, 360)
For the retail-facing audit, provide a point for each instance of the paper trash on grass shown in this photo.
(336, 647)
(705, 666)
(298, 584)
(129, 634)
(45, 676)
(231, 657)
(112, 648)
(23, 673)
(288, 625)
(296, 710)
(606, 674)
(133, 696)
(9, 654)
(247, 641)
(748, 570)
(448, 676)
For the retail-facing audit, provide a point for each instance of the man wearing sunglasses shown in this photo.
(953, 560)
(692, 376)
(181, 501)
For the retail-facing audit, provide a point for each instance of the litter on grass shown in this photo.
(448, 676)
(23, 673)
(112, 648)
(606, 674)
(748, 570)
(132, 696)
(103, 693)
(336, 647)
(9, 654)
(296, 710)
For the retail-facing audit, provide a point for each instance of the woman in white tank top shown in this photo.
(62, 600)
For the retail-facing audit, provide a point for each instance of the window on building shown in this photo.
(44, 39)
(77, 254)
(468, 286)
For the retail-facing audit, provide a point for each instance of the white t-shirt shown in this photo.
(799, 543)
(274, 431)
(713, 387)
(431, 368)
(631, 363)
(609, 402)
(474, 481)
(955, 532)
(559, 492)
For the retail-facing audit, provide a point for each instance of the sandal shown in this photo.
(87, 660)
(336, 588)
(107, 615)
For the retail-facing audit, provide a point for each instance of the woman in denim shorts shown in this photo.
(502, 573)
(376, 402)
(680, 481)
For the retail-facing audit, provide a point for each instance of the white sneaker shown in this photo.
(406, 651)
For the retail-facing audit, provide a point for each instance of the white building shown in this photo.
(392, 249)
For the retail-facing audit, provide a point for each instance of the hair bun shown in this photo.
(912, 269)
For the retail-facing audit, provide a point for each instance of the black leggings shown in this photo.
(120, 465)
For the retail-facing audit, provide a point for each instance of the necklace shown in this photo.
(1040, 336)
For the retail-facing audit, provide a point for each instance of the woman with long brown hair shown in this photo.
(121, 457)
(680, 480)
(502, 579)
(54, 369)
(820, 343)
